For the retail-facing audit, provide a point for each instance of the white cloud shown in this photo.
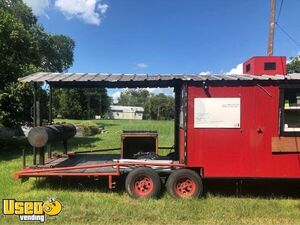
(38, 7)
(115, 96)
(205, 73)
(289, 60)
(90, 11)
(141, 65)
(166, 91)
(237, 70)
(103, 8)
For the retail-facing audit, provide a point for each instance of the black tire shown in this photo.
(184, 183)
(143, 182)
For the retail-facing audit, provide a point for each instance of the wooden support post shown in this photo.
(41, 156)
(110, 186)
(50, 105)
(185, 115)
(49, 149)
(177, 91)
(34, 118)
(65, 144)
(38, 113)
(111, 183)
(24, 158)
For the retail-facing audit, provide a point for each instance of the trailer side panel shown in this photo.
(245, 151)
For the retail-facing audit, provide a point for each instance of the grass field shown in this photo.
(90, 202)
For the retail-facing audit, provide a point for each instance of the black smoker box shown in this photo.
(134, 142)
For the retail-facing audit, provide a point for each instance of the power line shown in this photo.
(282, 29)
(288, 35)
(279, 12)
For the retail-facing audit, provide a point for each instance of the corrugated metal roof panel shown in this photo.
(195, 78)
(86, 77)
(153, 77)
(127, 77)
(97, 77)
(58, 77)
(166, 77)
(293, 76)
(32, 77)
(101, 76)
(114, 77)
(242, 77)
(140, 77)
(255, 77)
(42, 77)
(73, 77)
(231, 77)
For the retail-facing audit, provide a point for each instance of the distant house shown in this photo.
(126, 112)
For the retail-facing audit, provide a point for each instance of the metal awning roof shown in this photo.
(141, 80)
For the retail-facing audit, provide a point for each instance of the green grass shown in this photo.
(90, 202)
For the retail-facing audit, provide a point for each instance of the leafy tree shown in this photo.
(156, 107)
(133, 97)
(81, 103)
(56, 52)
(294, 65)
(18, 48)
(26, 48)
(160, 107)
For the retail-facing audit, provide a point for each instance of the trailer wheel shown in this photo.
(143, 182)
(184, 183)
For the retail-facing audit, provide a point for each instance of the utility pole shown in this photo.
(272, 28)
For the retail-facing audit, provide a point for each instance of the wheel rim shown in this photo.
(143, 185)
(185, 187)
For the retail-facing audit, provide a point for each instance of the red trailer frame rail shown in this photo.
(70, 171)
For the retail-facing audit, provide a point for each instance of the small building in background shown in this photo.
(126, 112)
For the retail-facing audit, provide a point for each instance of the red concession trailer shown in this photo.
(226, 126)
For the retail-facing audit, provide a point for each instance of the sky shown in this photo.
(168, 36)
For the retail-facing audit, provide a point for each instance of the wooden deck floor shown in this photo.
(81, 160)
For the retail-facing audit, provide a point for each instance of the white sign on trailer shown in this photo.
(217, 112)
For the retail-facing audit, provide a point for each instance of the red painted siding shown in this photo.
(242, 152)
(256, 65)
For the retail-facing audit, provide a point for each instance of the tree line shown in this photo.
(25, 48)
(156, 107)
(81, 103)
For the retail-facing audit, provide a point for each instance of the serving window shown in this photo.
(290, 111)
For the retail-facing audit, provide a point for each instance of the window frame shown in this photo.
(282, 89)
(248, 67)
(267, 66)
